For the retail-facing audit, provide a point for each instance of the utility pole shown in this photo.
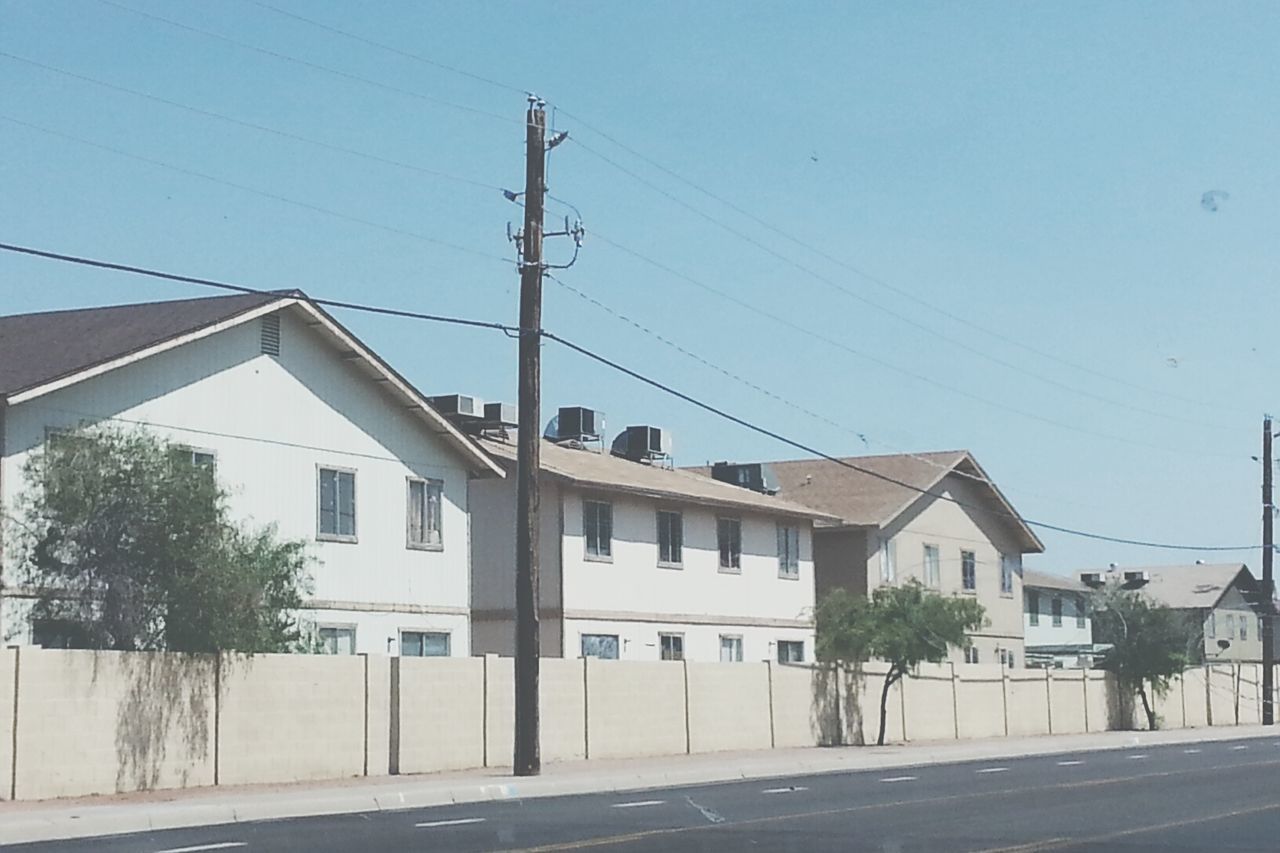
(528, 759)
(1268, 582)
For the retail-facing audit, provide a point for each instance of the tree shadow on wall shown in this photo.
(836, 707)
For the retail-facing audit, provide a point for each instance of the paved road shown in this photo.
(1220, 796)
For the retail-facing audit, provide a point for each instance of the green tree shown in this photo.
(901, 625)
(1150, 643)
(128, 544)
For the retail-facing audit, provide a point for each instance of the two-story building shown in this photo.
(1057, 627)
(305, 426)
(639, 561)
(933, 517)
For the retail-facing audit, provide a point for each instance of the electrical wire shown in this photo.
(640, 377)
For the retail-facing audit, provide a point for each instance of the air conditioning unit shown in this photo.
(1091, 578)
(500, 414)
(457, 406)
(1136, 578)
(756, 476)
(641, 443)
(576, 423)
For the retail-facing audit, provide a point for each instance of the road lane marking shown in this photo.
(1069, 763)
(638, 804)
(217, 845)
(992, 770)
(1190, 751)
(1137, 757)
(899, 779)
(790, 789)
(455, 822)
(1240, 747)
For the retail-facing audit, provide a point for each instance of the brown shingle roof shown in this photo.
(607, 472)
(36, 349)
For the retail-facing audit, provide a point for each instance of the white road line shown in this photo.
(455, 822)
(790, 789)
(1069, 763)
(992, 770)
(1137, 757)
(1190, 751)
(899, 779)
(219, 845)
(638, 804)
(1240, 747)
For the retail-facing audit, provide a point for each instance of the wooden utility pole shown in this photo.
(528, 760)
(1268, 582)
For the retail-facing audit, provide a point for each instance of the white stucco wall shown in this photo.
(271, 422)
(1068, 633)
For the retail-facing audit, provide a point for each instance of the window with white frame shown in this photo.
(424, 644)
(1056, 606)
(603, 646)
(671, 646)
(1211, 625)
(791, 651)
(1081, 612)
(788, 551)
(670, 538)
(597, 529)
(970, 654)
(888, 560)
(337, 504)
(1033, 607)
(337, 639)
(1006, 575)
(200, 458)
(1231, 625)
(968, 571)
(932, 566)
(425, 523)
(729, 541)
(1007, 658)
(1244, 627)
(730, 648)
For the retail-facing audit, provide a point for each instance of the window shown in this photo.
(1033, 607)
(597, 529)
(337, 639)
(205, 460)
(1006, 575)
(603, 646)
(968, 571)
(730, 649)
(1211, 625)
(670, 539)
(790, 651)
(58, 634)
(1006, 658)
(729, 539)
(1231, 625)
(1244, 627)
(888, 560)
(788, 552)
(424, 644)
(337, 504)
(970, 654)
(1080, 612)
(932, 572)
(425, 523)
(1056, 604)
(672, 646)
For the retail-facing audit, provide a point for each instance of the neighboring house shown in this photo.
(643, 562)
(305, 426)
(933, 517)
(1224, 598)
(1057, 627)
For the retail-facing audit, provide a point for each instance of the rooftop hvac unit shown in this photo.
(1091, 578)
(750, 475)
(642, 443)
(500, 415)
(576, 423)
(457, 406)
(1136, 578)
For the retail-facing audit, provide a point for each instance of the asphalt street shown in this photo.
(1219, 796)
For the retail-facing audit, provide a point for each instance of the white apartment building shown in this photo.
(1059, 630)
(642, 562)
(306, 427)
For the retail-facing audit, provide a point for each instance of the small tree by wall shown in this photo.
(126, 542)
(902, 625)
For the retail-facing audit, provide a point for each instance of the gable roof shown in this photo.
(606, 472)
(40, 353)
(1032, 579)
(862, 499)
(1194, 586)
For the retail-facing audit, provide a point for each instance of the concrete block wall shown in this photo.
(980, 704)
(441, 716)
(1097, 701)
(1195, 689)
(1027, 701)
(8, 660)
(1067, 701)
(929, 698)
(804, 701)
(636, 708)
(729, 706)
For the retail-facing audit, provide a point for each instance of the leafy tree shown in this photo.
(901, 625)
(1150, 643)
(128, 545)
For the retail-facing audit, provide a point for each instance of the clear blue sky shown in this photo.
(1034, 169)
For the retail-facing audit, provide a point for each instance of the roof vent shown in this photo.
(643, 444)
(576, 425)
(1136, 578)
(474, 416)
(756, 476)
(1093, 579)
(458, 407)
(270, 335)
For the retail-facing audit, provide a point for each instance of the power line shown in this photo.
(618, 367)
(255, 191)
(253, 125)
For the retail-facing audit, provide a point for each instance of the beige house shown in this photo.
(933, 517)
(1224, 598)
